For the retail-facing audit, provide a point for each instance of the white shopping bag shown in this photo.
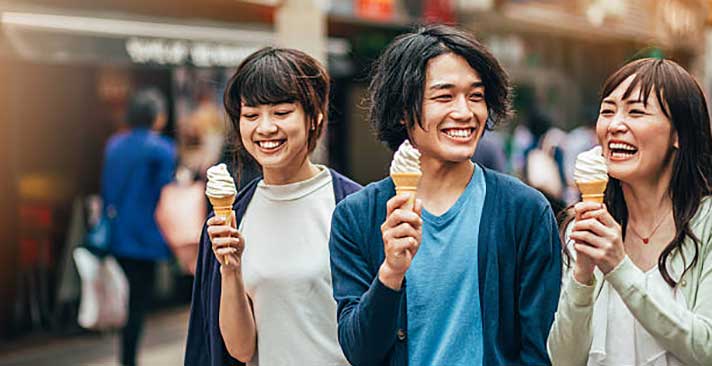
(105, 291)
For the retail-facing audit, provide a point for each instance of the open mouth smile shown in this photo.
(618, 150)
(270, 145)
(459, 134)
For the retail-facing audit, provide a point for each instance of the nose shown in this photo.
(617, 124)
(266, 126)
(461, 109)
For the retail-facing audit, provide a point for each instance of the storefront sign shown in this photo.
(177, 52)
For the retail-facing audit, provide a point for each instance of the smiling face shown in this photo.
(275, 135)
(637, 137)
(454, 111)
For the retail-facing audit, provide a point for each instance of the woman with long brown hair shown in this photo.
(638, 290)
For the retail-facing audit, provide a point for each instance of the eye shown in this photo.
(636, 112)
(443, 97)
(607, 112)
(283, 112)
(477, 96)
(249, 116)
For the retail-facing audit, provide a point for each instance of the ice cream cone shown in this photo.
(222, 206)
(407, 183)
(592, 191)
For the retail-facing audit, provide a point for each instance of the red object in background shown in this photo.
(439, 11)
(34, 235)
(374, 9)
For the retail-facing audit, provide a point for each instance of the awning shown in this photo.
(61, 38)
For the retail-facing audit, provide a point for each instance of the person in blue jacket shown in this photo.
(262, 292)
(471, 275)
(137, 165)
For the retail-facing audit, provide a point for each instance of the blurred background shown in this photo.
(67, 68)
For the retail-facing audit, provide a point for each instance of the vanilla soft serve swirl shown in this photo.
(406, 159)
(591, 166)
(220, 182)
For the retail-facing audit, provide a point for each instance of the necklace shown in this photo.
(646, 239)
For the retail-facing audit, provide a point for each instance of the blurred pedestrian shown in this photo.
(262, 292)
(470, 275)
(639, 288)
(137, 164)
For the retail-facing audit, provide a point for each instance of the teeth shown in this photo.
(269, 144)
(459, 133)
(621, 146)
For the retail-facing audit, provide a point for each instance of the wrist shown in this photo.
(583, 277)
(230, 272)
(390, 278)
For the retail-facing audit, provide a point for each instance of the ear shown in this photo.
(675, 141)
(319, 120)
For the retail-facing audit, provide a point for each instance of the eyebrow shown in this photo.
(628, 101)
(442, 86)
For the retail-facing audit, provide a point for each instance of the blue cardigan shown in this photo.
(519, 258)
(205, 345)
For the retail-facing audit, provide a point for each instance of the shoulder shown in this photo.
(701, 223)
(367, 198)
(513, 193)
(704, 212)
(162, 145)
(115, 141)
(343, 182)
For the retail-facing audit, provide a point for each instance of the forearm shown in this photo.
(571, 334)
(368, 326)
(237, 324)
(687, 334)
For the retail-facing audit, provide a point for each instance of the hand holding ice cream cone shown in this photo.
(591, 177)
(221, 192)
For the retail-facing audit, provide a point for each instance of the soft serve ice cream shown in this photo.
(406, 159)
(591, 174)
(220, 182)
(405, 170)
(591, 166)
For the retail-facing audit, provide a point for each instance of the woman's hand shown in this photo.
(228, 243)
(401, 232)
(598, 236)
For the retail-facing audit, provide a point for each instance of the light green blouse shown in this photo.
(686, 332)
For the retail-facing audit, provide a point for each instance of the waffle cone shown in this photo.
(592, 191)
(407, 183)
(222, 206)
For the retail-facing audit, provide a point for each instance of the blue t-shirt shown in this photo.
(443, 301)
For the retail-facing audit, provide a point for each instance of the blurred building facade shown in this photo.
(67, 67)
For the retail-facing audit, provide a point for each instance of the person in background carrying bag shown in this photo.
(137, 165)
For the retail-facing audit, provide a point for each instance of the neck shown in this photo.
(443, 182)
(648, 200)
(290, 174)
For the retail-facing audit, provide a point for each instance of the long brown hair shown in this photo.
(683, 103)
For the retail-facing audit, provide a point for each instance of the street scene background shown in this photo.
(68, 68)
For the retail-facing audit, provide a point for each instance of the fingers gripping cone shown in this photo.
(592, 191)
(222, 206)
(407, 183)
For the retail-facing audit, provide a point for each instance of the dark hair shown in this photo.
(144, 106)
(396, 89)
(279, 75)
(683, 103)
